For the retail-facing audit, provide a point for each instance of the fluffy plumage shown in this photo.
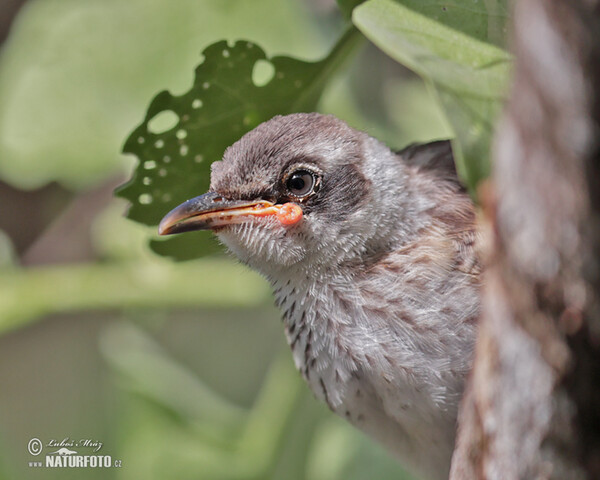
(378, 284)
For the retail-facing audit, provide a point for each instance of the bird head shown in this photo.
(301, 189)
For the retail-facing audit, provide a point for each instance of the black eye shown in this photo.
(300, 183)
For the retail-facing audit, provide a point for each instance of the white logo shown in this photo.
(65, 456)
(35, 446)
(63, 451)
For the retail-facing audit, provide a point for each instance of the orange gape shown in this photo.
(289, 214)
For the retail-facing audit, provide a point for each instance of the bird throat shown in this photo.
(316, 335)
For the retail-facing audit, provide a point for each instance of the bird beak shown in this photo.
(212, 210)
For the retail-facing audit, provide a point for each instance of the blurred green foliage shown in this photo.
(77, 75)
(180, 368)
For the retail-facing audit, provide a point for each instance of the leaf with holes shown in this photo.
(235, 89)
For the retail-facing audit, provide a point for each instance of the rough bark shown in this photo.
(532, 409)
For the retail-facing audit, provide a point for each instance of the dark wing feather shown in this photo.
(435, 157)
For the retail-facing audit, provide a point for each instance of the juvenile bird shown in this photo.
(372, 256)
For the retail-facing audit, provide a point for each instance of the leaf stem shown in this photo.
(29, 294)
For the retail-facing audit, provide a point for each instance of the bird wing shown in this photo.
(454, 209)
(435, 158)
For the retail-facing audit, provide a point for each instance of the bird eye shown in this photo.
(301, 183)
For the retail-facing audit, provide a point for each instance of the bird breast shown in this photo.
(384, 375)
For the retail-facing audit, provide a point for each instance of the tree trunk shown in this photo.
(532, 408)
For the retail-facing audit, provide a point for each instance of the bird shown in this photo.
(373, 259)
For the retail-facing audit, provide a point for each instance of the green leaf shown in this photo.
(187, 247)
(228, 98)
(453, 46)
